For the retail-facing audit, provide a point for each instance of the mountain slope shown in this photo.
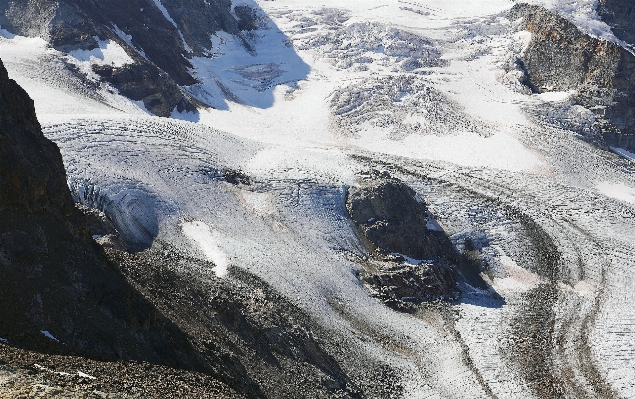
(490, 113)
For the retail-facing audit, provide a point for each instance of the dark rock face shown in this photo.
(391, 216)
(392, 221)
(147, 83)
(55, 278)
(560, 57)
(141, 28)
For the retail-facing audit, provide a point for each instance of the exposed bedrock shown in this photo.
(158, 37)
(560, 57)
(412, 259)
(55, 278)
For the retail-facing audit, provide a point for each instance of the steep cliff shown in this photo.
(58, 292)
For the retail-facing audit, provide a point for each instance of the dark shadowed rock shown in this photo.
(394, 219)
(619, 15)
(55, 278)
(560, 57)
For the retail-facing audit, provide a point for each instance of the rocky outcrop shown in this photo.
(158, 37)
(393, 219)
(412, 260)
(560, 57)
(58, 291)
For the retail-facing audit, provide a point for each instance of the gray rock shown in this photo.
(560, 57)
(392, 221)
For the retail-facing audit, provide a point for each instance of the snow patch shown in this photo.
(208, 241)
(619, 191)
(555, 96)
(108, 53)
(49, 335)
(128, 40)
(84, 375)
(165, 12)
(411, 261)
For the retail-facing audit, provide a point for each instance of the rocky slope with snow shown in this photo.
(498, 263)
(59, 292)
(560, 57)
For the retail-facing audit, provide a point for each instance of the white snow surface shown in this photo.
(84, 375)
(108, 53)
(208, 240)
(300, 115)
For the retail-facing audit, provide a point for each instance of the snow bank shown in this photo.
(208, 241)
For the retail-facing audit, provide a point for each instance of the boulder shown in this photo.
(393, 219)
(412, 260)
